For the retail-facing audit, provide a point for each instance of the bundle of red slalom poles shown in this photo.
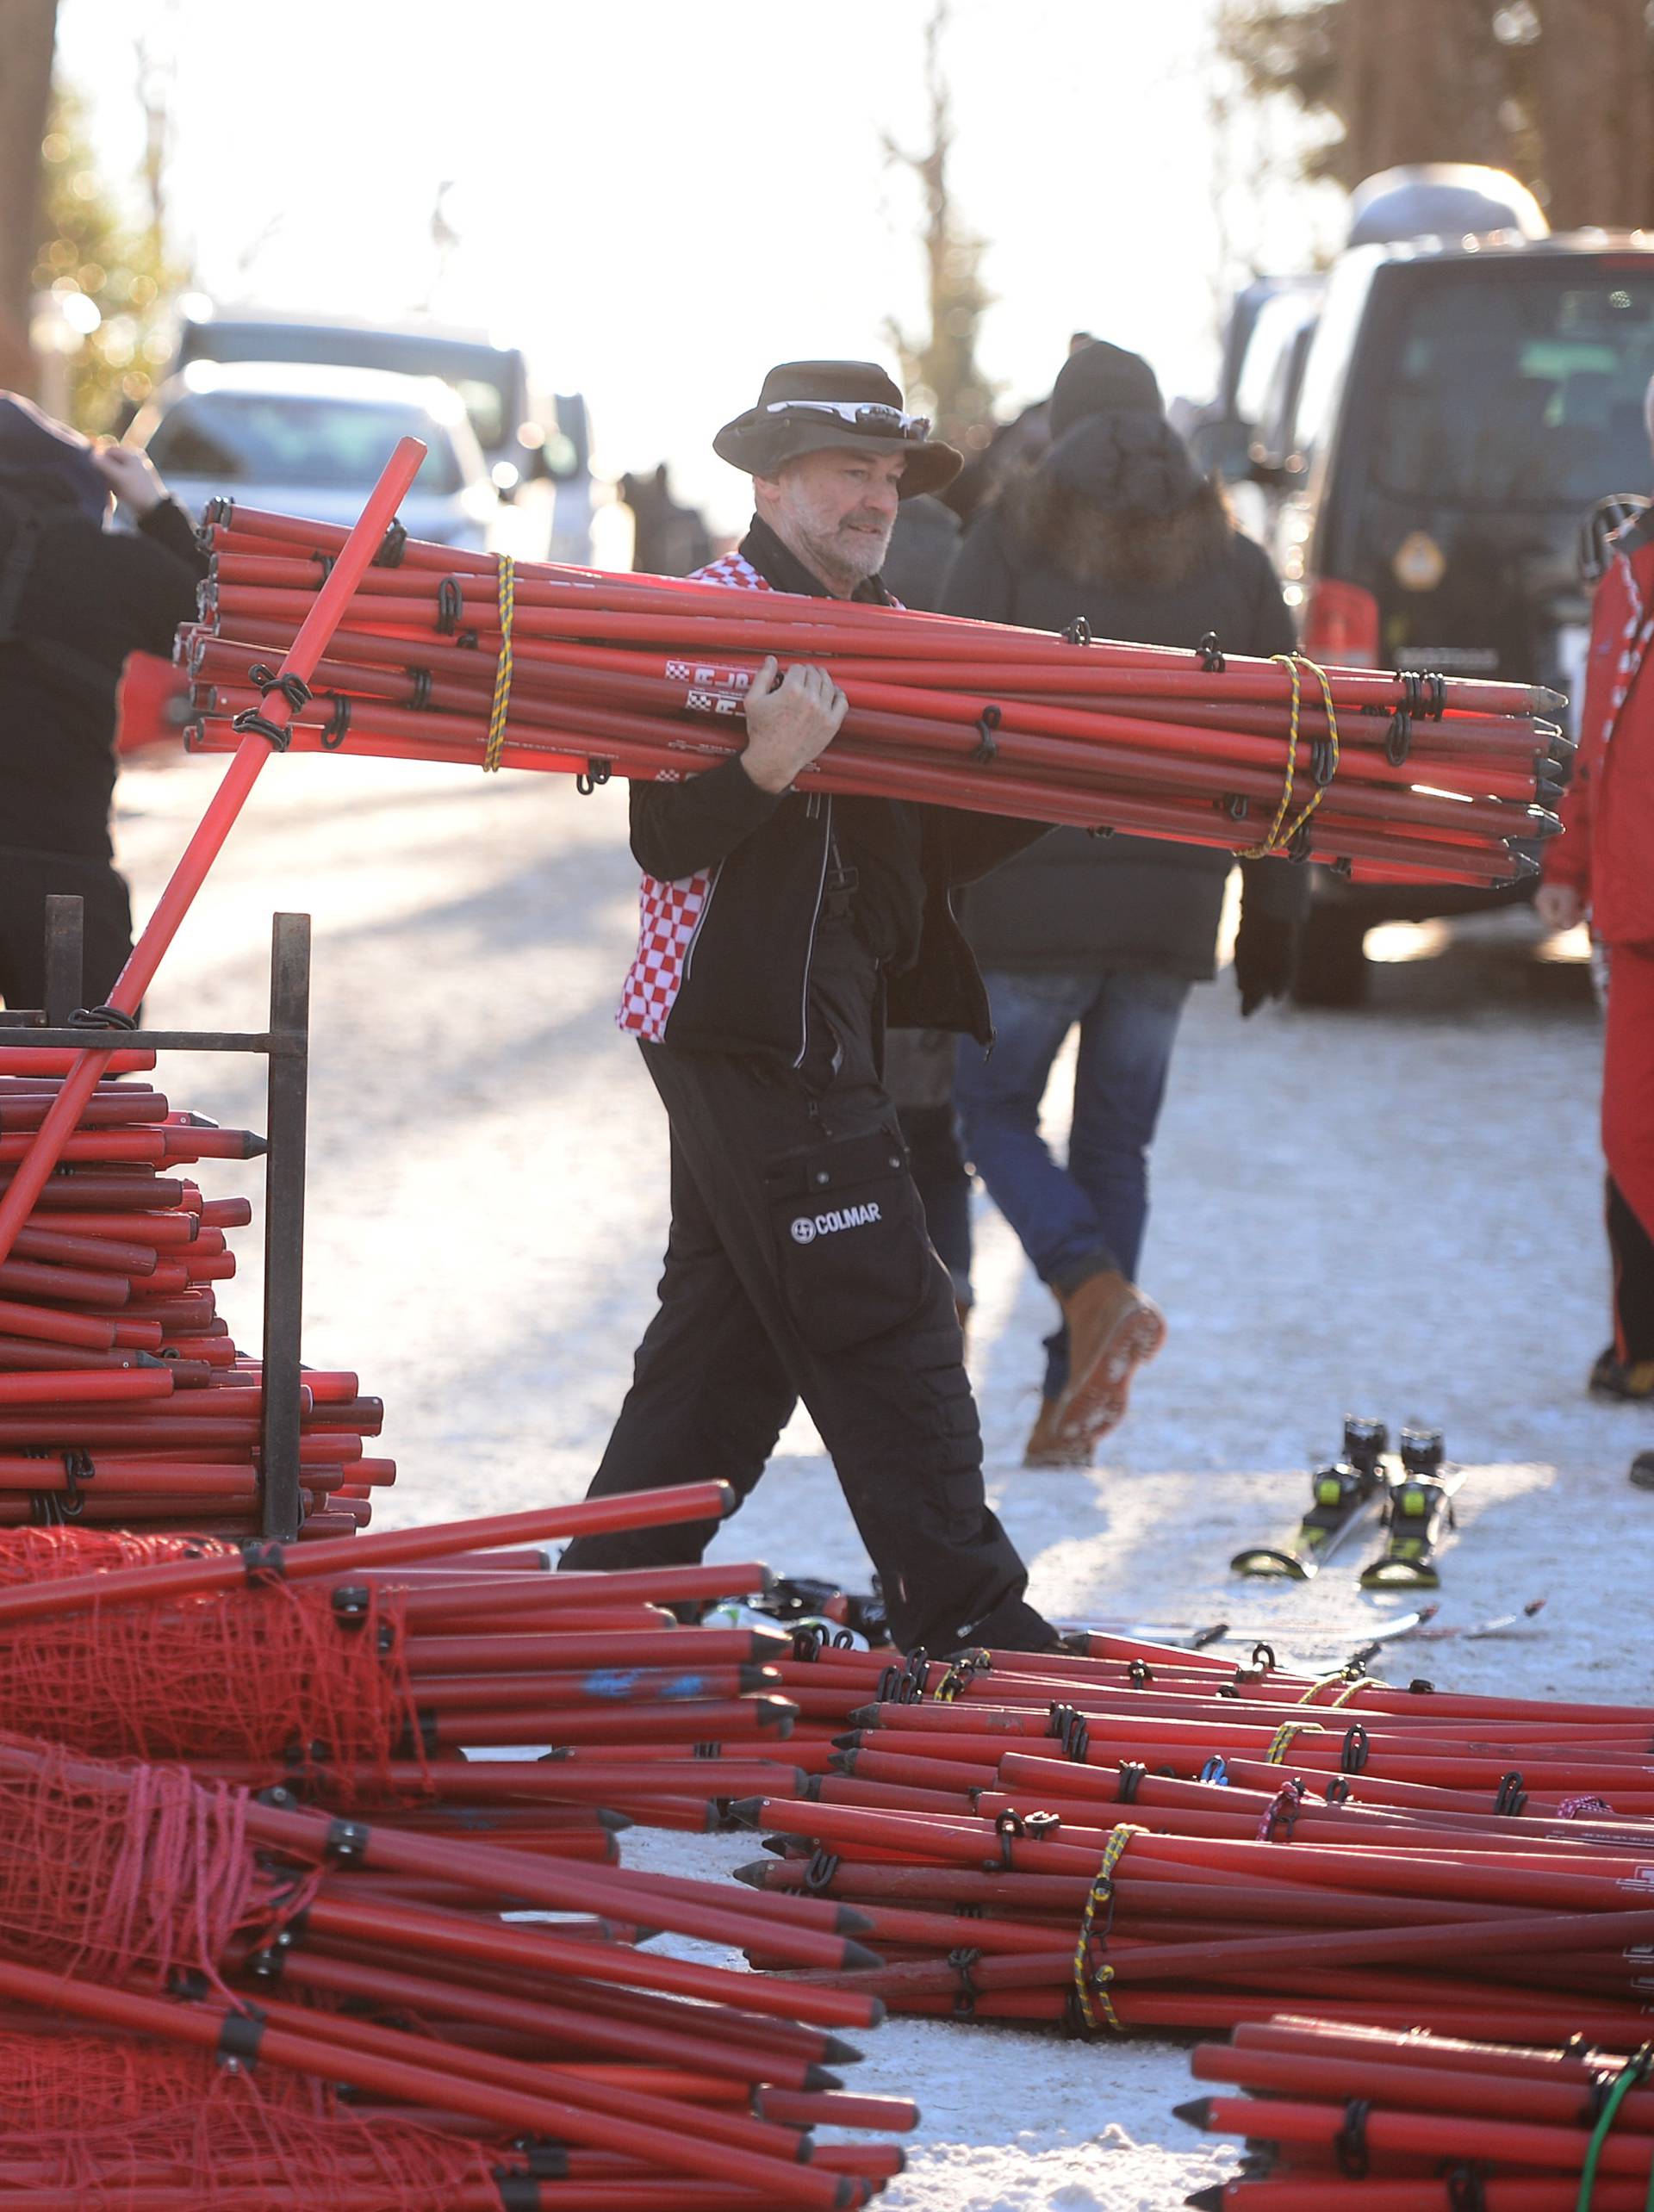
(358, 1920)
(1151, 1838)
(124, 1400)
(1342, 2119)
(448, 656)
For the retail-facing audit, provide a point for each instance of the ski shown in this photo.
(1496, 1625)
(1342, 1494)
(1418, 1516)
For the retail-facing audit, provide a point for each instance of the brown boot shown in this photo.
(1046, 1447)
(1112, 1331)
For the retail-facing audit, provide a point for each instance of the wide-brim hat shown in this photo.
(814, 406)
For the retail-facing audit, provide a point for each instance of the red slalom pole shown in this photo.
(190, 1578)
(320, 623)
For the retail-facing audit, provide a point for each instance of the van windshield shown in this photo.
(256, 437)
(1501, 388)
(485, 377)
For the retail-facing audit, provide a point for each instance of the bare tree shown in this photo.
(28, 37)
(939, 366)
(1561, 92)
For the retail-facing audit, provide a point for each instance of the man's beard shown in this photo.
(858, 552)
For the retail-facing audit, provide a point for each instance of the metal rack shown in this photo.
(285, 1045)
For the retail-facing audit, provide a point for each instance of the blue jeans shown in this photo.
(1077, 1220)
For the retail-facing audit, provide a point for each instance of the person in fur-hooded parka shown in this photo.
(1115, 524)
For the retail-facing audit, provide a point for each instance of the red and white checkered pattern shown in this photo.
(670, 914)
(734, 570)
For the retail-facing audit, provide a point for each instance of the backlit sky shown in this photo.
(661, 199)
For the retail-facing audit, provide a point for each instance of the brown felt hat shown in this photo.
(810, 406)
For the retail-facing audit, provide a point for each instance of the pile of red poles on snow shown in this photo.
(1152, 1838)
(1359, 2120)
(351, 1943)
(449, 656)
(123, 1399)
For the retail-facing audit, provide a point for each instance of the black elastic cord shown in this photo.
(1131, 1780)
(450, 606)
(102, 1017)
(1353, 1757)
(252, 724)
(597, 775)
(239, 2037)
(339, 726)
(346, 1842)
(393, 545)
(1211, 654)
(293, 689)
(818, 1875)
(987, 745)
(1467, 2189)
(1512, 1795)
(1350, 2143)
(421, 697)
(1079, 632)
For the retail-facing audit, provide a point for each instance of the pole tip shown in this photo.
(1207, 2200)
(1195, 2114)
(818, 2081)
(728, 1502)
(745, 1812)
(754, 1873)
(851, 1923)
(858, 1960)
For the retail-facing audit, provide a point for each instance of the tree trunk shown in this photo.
(1417, 80)
(27, 33)
(1595, 93)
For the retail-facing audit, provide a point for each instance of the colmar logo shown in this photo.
(809, 1227)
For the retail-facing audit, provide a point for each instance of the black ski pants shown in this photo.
(798, 1265)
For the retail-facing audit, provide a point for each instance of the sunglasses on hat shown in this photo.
(878, 420)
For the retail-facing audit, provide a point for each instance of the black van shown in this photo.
(1461, 405)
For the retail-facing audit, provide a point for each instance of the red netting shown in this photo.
(238, 2150)
(251, 1674)
(128, 1881)
(73, 2080)
(39, 1555)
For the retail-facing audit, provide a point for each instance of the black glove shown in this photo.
(1266, 957)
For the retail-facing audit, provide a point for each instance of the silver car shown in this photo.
(300, 438)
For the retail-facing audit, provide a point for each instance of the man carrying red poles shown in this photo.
(781, 930)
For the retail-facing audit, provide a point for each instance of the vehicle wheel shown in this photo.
(1332, 965)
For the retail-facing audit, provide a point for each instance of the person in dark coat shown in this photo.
(1114, 524)
(75, 600)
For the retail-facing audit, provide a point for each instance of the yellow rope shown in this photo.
(1286, 1734)
(1092, 1981)
(1281, 832)
(502, 667)
(1361, 1683)
(1349, 1687)
(958, 1676)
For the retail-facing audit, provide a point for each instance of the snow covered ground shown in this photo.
(1393, 1212)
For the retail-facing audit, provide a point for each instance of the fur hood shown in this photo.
(1117, 503)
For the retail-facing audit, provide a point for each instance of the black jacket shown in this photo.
(1114, 524)
(89, 597)
(744, 985)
